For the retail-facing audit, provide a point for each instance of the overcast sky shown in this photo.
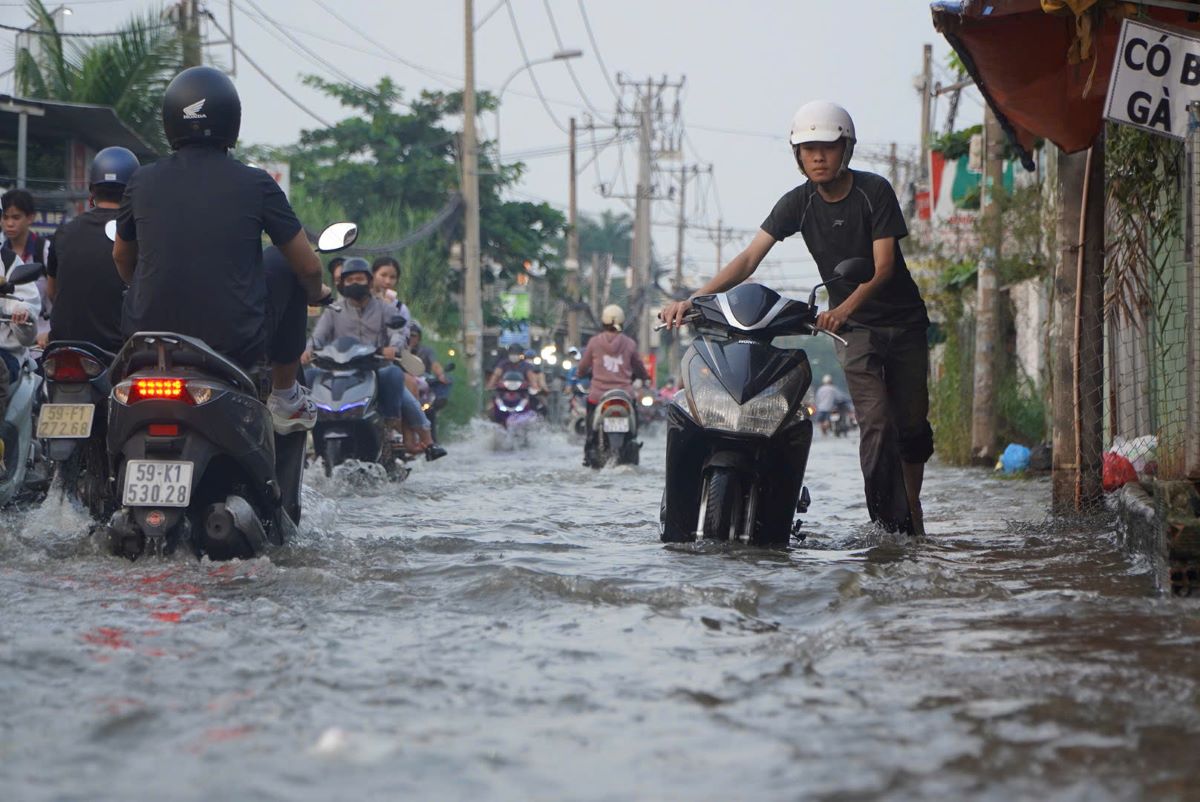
(748, 66)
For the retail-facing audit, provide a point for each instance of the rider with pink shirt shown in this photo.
(612, 359)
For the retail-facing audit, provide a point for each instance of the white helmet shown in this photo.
(613, 315)
(822, 121)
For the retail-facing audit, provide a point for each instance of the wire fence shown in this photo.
(1151, 359)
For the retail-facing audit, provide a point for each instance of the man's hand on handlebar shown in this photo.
(833, 320)
(673, 313)
(324, 299)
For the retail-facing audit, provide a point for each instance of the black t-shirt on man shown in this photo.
(88, 304)
(198, 217)
(838, 231)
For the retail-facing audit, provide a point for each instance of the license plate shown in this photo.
(72, 421)
(616, 425)
(154, 483)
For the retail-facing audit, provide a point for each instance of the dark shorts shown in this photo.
(285, 327)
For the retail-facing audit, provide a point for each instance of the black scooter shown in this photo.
(739, 435)
(194, 452)
(73, 421)
(346, 392)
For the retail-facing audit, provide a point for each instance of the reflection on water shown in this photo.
(506, 625)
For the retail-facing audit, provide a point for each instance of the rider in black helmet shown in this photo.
(189, 243)
(81, 283)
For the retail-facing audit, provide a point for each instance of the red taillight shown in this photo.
(69, 365)
(164, 430)
(160, 390)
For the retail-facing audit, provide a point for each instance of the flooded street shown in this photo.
(506, 625)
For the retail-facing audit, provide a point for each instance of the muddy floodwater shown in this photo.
(506, 625)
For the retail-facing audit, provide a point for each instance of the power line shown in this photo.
(434, 74)
(58, 34)
(587, 23)
(305, 50)
(571, 69)
(512, 17)
(267, 76)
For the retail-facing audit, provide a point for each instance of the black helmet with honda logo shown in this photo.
(201, 106)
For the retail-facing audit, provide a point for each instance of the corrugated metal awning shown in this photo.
(98, 126)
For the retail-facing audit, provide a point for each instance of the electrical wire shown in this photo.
(570, 68)
(265, 75)
(587, 23)
(60, 34)
(304, 49)
(434, 74)
(512, 17)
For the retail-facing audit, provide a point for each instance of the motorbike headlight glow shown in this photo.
(647, 401)
(717, 409)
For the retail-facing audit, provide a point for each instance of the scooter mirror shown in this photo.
(110, 230)
(336, 237)
(858, 270)
(448, 368)
(25, 273)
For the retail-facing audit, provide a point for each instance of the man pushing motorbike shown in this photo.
(844, 213)
(189, 245)
(366, 318)
(611, 359)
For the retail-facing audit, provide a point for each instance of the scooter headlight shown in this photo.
(717, 409)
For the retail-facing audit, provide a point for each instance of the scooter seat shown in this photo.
(141, 351)
(91, 349)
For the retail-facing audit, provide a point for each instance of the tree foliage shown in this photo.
(128, 71)
(390, 166)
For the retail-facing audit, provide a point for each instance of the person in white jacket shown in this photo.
(21, 308)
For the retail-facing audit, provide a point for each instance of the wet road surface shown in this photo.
(506, 625)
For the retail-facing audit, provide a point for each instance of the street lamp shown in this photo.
(558, 55)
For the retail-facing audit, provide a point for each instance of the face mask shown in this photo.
(356, 292)
(514, 358)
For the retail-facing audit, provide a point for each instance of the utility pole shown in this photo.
(572, 248)
(926, 103)
(652, 118)
(189, 31)
(677, 285)
(472, 292)
(1072, 169)
(1089, 335)
(987, 299)
(594, 295)
(641, 222)
(894, 167)
(720, 234)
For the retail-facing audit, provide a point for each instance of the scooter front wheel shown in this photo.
(722, 504)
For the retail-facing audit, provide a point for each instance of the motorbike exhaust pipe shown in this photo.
(232, 528)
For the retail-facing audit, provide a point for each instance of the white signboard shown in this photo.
(282, 173)
(1156, 75)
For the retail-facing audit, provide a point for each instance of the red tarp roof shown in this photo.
(1018, 55)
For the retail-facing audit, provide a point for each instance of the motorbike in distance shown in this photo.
(435, 395)
(25, 473)
(345, 390)
(513, 409)
(739, 434)
(613, 437)
(194, 450)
